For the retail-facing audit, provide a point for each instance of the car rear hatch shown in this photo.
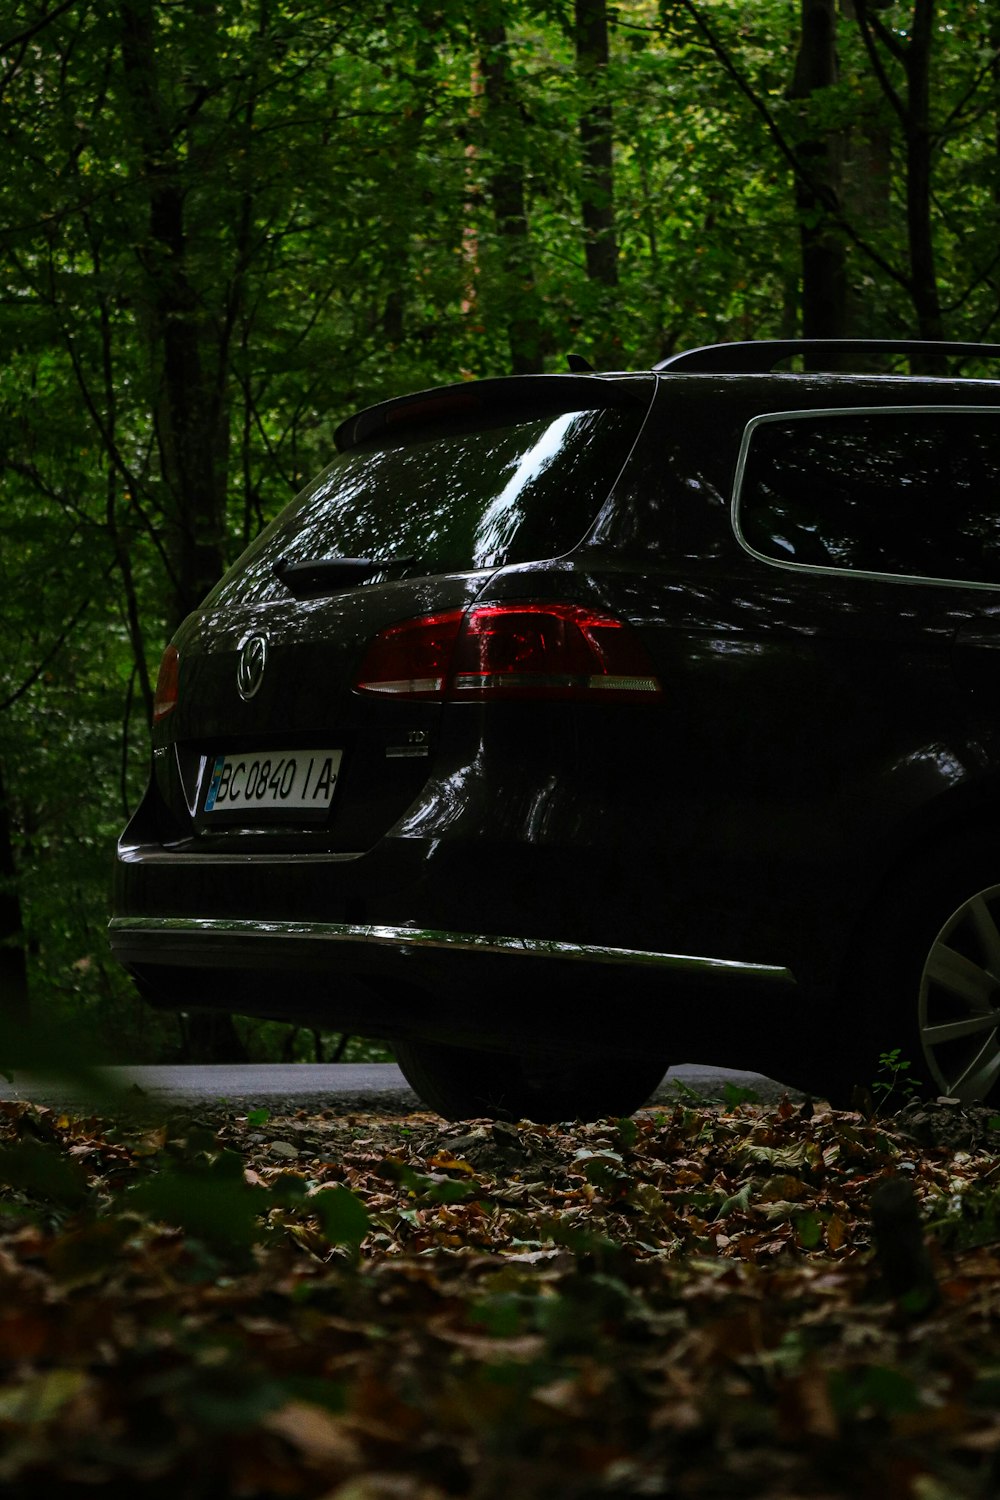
(265, 735)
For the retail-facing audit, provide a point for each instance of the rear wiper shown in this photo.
(325, 575)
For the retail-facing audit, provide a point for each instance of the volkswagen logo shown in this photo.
(250, 666)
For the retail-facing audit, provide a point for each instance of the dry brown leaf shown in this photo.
(315, 1432)
(515, 1350)
(448, 1163)
(783, 1188)
(24, 1336)
(805, 1408)
(836, 1232)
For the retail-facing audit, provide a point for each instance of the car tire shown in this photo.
(928, 985)
(463, 1083)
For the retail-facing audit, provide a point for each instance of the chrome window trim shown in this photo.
(845, 411)
(432, 938)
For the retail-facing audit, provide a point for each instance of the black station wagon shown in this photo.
(568, 726)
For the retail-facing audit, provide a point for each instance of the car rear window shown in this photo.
(913, 493)
(450, 502)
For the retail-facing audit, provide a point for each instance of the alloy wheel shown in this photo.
(959, 1004)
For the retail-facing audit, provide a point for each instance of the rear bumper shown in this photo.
(615, 941)
(466, 988)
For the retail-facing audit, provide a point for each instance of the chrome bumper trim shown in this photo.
(143, 855)
(416, 937)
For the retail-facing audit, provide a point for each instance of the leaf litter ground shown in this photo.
(682, 1303)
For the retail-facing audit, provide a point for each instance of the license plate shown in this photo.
(293, 781)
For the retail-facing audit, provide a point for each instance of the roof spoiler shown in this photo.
(510, 398)
(759, 356)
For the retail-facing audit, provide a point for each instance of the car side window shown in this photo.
(914, 493)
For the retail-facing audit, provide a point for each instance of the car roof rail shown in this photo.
(759, 356)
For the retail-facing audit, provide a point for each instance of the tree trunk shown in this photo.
(913, 109)
(824, 279)
(867, 170)
(506, 186)
(397, 228)
(867, 182)
(188, 357)
(919, 144)
(596, 142)
(13, 961)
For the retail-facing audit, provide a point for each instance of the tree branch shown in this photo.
(53, 651)
(784, 146)
(20, 42)
(878, 67)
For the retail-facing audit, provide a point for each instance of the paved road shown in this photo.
(376, 1087)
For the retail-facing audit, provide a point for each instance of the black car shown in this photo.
(568, 726)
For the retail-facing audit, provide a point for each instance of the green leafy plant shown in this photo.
(964, 1220)
(685, 1092)
(734, 1094)
(895, 1082)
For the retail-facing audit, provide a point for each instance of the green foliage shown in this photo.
(968, 1217)
(809, 1230)
(186, 1178)
(43, 1171)
(885, 1390)
(218, 1393)
(429, 1187)
(895, 1082)
(210, 1201)
(343, 1217)
(686, 1092)
(735, 1094)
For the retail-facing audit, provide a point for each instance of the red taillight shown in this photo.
(548, 651)
(165, 697)
(411, 660)
(510, 651)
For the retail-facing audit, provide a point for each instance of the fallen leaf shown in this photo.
(445, 1162)
(315, 1432)
(40, 1397)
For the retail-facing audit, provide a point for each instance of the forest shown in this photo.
(225, 227)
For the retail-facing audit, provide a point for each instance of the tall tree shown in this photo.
(504, 138)
(911, 50)
(188, 341)
(817, 188)
(597, 182)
